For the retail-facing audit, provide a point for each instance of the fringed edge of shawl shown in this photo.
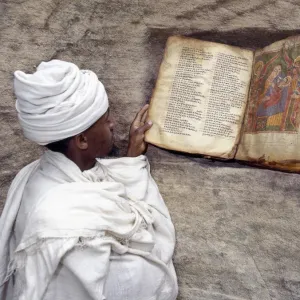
(20, 256)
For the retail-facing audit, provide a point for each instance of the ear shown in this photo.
(81, 141)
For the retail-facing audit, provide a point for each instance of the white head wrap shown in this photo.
(58, 101)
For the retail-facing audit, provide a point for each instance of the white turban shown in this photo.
(58, 101)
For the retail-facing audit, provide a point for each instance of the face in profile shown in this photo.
(100, 137)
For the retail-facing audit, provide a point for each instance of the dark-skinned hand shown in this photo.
(137, 144)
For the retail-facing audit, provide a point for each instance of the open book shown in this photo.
(227, 102)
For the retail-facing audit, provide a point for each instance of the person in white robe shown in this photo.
(77, 225)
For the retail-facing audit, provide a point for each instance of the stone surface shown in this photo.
(237, 227)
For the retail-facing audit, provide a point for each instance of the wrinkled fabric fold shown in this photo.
(7, 220)
(88, 210)
(58, 101)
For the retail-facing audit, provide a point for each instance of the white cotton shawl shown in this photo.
(58, 101)
(83, 208)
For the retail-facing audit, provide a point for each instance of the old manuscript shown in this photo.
(201, 102)
(271, 129)
(200, 97)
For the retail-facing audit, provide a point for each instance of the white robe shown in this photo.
(104, 233)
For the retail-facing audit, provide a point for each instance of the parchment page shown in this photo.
(271, 131)
(200, 97)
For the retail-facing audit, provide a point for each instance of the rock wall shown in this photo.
(237, 227)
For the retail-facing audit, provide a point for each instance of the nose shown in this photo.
(111, 124)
